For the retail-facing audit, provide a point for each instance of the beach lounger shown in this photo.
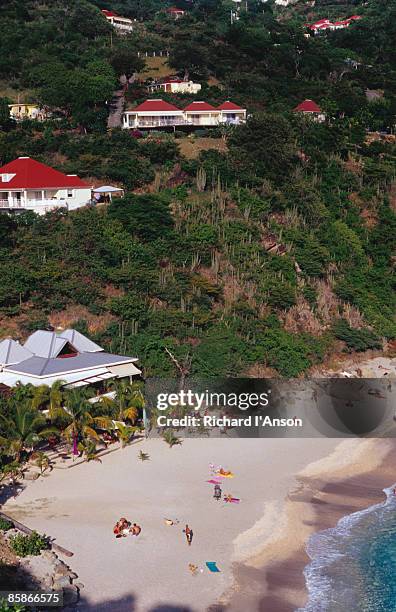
(225, 474)
(212, 566)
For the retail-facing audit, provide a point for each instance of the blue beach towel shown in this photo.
(212, 567)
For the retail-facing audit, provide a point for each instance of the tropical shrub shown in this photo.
(24, 545)
(356, 339)
(5, 525)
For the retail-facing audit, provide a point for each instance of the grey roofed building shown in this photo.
(50, 344)
(80, 342)
(12, 352)
(41, 366)
(69, 356)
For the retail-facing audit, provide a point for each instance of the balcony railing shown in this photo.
(46, 202)
(10, 203)
(159, 122)
(31, 204)
(155, 122)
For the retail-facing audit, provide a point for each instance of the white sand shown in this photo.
(79, 507)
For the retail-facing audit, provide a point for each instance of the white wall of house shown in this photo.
(26, 111)
(233, 116)
(44, 200)
(318, 117)
(152, 119)
(183, 87)
(138, 119)
(203, 118)
(121, 23)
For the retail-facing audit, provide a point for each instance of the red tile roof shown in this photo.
(308, 106)
(229, 106)
(109, 13)
(171, 79)
(155, 105)
(31, 174)
(323, 24)
(199, 106)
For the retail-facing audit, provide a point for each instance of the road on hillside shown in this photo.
(117, 104)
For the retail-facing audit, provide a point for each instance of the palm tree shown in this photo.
(169, 437)
(40, 396)
(55, 399)
(128, 400)
(88, 448)
(82, 424)
(125, 433)
(42, 461)
(25, 428)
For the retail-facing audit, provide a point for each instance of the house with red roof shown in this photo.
(311, 109)
(153, 114)
(156, 113)
(232, 113)
(326, 24)
(173, 84)
(123, 24)
(201, 114)
(175, 13)
(26, 184)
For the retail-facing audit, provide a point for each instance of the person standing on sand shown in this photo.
(189, 534)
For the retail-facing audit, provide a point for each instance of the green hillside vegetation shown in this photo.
(276, 251)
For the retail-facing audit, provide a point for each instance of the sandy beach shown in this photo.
(350, 479)
(79, 507)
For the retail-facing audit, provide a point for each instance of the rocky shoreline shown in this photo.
(46, 572)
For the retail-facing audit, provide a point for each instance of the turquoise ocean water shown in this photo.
(353, 566)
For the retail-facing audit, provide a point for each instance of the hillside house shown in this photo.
(20, 111)
(232, 113)
(311, 109)
(154, 114)
(26, 184)
(173, 84)
(69, 356)
(175, 13)
(326, 24)
(123, 24)
(201, 114)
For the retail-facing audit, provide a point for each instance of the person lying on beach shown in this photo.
(121, 528)
(230, 499)
(135, 529)
(117, 531)
(225, 473)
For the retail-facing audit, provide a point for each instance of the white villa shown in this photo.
(175, 85)
(69, 356)
(123, 24)
(160, 114)
(26, 184)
